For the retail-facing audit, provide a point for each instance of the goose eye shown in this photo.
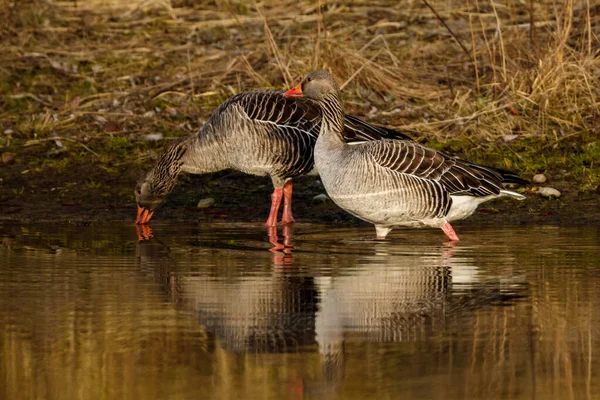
(138, 191)
(308, 79)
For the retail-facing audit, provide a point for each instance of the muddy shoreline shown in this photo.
(92, 190)
(71, 198)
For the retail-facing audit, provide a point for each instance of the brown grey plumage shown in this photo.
(260, 133)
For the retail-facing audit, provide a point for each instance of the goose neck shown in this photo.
(206, 152)
(170, 161)
(333, 114)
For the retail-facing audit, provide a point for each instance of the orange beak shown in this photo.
(143, 215)
(294, 92)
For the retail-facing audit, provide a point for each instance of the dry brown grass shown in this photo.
(520, 79)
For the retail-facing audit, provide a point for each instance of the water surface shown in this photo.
(211, 312)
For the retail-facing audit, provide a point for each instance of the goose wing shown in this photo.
(283, 113)
(285, 128)
(301, 115)
(359, 130)
(457, 176)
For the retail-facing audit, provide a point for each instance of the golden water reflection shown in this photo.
(209, 312)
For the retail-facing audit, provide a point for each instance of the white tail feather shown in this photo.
(514, 195)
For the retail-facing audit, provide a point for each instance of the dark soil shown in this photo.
(85, 192)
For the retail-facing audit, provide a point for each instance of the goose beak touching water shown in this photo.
(145, 203)
(394, 182)
(143, 215)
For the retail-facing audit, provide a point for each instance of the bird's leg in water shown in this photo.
(449, 231)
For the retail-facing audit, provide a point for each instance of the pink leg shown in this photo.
(275, 202)
(287, 217)
(449, 231)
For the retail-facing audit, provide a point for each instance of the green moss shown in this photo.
(161, 103)
(109, 168)
(81, 88)
(118, 145)
(91, 184)
(36, 126)
(61, 165)
(532, 155)
(5, 86)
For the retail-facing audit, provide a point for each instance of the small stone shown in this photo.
(148, 114)
(206, 203)
(539, 178)
(320, 199)
(546, 191)
(509, 138)
(153, 137)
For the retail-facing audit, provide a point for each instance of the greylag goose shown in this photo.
(393, 182)
(259, 133)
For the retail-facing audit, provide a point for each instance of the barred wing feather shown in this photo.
(458, 177)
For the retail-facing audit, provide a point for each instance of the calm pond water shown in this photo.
(209, 312)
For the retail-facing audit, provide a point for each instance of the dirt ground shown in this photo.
(85, 194)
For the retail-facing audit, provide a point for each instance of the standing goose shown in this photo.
(259, 133)
(393, 182)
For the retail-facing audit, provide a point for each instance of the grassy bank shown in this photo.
(85, 86)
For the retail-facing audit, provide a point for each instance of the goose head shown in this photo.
(317, 85)
(320, 87)
(153, 188)
(147, 198)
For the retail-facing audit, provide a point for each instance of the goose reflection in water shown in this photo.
(283, 249)
(323, 299)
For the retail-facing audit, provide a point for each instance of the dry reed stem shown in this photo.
(462, 46)
(474, 50)
(499, 32)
